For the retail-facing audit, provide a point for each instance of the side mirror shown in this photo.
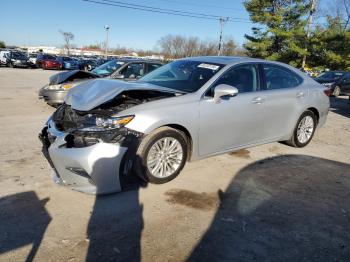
(224, 90)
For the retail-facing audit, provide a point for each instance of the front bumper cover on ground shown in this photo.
(93, 169)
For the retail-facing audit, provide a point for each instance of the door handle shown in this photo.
(300, 94)
(258, 100)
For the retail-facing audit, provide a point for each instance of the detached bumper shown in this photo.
(93, 169)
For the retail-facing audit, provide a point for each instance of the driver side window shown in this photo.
(244, 78)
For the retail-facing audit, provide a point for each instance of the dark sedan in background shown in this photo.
(337, 82)
(123, 69)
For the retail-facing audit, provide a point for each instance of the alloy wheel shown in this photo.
(305, 129)
(164, 157)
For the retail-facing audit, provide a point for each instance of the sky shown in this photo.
(38, 22)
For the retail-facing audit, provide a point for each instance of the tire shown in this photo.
(303, 140)
(148, 150)
(337, 91)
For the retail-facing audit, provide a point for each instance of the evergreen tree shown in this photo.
(282, 33)
(330, 45)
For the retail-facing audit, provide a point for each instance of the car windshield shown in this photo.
(18, 56)
(108, 68)
(185, 76)
(330, 75)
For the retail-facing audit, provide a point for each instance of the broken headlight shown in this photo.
(103, 124)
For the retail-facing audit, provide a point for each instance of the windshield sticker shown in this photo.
(209, 66)
(120, 63)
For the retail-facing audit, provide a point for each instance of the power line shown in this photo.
(201, 5)
(161, 9)
(164, 11)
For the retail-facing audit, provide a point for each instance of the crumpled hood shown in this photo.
(70, 75)
(93, 93)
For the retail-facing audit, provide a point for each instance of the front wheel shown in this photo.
(161, 155)
(304, 130)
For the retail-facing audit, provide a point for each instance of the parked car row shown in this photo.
(14, 58)
(124, 69)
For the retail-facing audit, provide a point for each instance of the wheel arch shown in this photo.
(315, 111)
(188, 136)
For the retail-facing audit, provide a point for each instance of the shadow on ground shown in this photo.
(286, 208)
(23, 221)
(116, 224)
(340, 105)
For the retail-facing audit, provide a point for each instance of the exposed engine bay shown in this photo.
(72, 121)
(66, 118)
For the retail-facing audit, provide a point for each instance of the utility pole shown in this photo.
(222, 21)
(308, 28)
(107, 30)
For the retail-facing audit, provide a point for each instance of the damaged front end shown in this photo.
(93, 151)
(55, 92)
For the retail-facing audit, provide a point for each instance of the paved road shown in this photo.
(269, 203)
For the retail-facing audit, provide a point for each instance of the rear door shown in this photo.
(284, 99)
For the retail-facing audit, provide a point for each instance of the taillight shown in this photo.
(327, 92)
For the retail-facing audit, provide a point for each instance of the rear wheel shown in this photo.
(304, 130)
(161, 155)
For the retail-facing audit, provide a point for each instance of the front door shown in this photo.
(233, 121)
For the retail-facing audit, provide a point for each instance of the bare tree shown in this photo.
(229, 47)
(67, 38)
(176, 46)
(337, 8)
(346, 5)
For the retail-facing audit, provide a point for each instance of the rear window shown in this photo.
(278, 77)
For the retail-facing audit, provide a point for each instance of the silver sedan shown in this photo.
(186, 110)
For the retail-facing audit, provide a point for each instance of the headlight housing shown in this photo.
(103, 124)
(60, 87)
(53, 87)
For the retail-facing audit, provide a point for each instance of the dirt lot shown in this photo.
(270, 203)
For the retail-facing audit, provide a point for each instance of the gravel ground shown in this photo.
(269, 203)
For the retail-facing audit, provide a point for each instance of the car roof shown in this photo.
(225, 60)
(128, 60)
